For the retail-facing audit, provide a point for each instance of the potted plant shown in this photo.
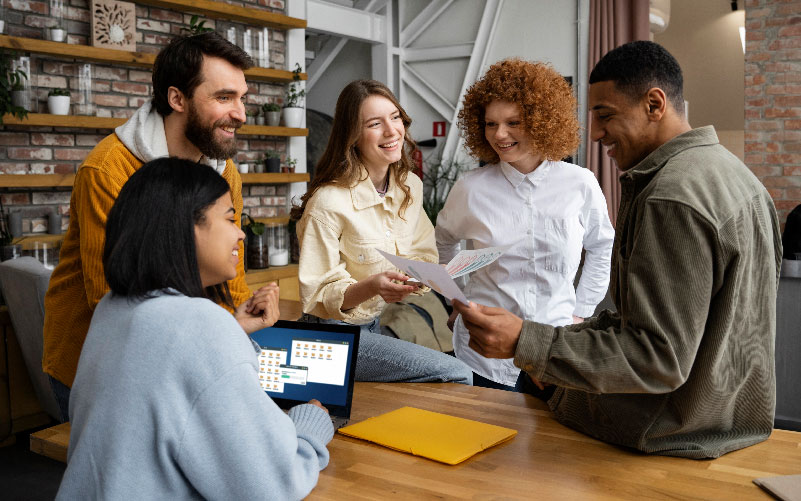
(291, 163)
(251, 117)
(272, 114)
(58, 101)
(257, 247)
(259, 117)
(293, 106)
(57, 33)
(195, 27)
(272, 161)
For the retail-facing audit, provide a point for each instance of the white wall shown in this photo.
(541, 30)
(352, 63)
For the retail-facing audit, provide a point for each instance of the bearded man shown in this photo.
(198, 92)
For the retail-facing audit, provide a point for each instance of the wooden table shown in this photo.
(544, 461)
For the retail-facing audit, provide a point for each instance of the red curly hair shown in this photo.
(546, 102)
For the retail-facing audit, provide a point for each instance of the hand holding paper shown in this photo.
(441, 279)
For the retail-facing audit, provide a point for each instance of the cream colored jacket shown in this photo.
(339, 232)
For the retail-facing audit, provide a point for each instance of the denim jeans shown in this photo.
(524, 384)
(62, 394)
(386, 359)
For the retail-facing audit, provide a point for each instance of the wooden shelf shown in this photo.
(114, 56)
(66, 180)
(271, 274)
(227, 12)
(90, 122)
(274, 178)
(36, 180)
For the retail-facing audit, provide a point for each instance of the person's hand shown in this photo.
(260, 311)
(577, 320)
(386, 285)
(316, 402)
(452, 319)
(493, 331)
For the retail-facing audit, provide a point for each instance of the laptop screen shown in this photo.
(300, 361)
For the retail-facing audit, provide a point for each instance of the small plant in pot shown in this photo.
(272, 114)
(251, 117)
(256, 252)
(58, 101)
(272, 161)
(293, 106)
(57, 33)
(291, 163)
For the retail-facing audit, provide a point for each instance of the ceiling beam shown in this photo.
(422, 21)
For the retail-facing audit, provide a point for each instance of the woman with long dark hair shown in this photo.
(166, 402)
(363, 198)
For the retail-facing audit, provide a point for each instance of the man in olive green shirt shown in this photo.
(685, 367)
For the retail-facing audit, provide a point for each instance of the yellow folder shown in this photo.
(436, 436)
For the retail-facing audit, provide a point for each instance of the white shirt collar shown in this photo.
(515, 177)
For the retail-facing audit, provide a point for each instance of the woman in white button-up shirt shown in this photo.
(363, 197)
(521, 119)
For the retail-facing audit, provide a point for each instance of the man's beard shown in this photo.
(203, 138)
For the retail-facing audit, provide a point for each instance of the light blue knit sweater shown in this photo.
(167, 405)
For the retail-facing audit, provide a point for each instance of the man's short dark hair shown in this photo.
(179, 64)
(638, 66)
(150, 231)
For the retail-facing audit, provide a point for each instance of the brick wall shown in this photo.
(773, 98)
(118, 91)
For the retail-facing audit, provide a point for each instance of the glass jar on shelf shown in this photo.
(278, 242)
(56, 27)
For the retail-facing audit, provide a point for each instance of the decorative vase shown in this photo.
(293, 117)
(259, 120)
(259, 167)
(273, 118)
(250, 120)
(58, 105)
(273, 164)
(2, 26)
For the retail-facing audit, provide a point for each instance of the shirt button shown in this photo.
(361, 258)
(388, 233)
(530, 231)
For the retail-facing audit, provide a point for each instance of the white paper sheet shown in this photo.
(432, 275)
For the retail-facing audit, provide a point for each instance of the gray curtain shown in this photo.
(612, 23)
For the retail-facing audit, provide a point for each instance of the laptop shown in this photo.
(300, 361)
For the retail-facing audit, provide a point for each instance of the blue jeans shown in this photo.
(524, 384)
(62, 394)
(387, 359)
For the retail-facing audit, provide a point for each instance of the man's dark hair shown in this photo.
(150, 231)
(179, 63)
(638, 66)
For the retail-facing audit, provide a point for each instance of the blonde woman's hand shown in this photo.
(386, 285)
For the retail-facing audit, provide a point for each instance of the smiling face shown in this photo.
(217, 238)
(621, 124)
(216, 109)
(504, 131)
(382, 132)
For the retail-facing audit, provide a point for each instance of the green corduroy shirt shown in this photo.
(686, 365)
